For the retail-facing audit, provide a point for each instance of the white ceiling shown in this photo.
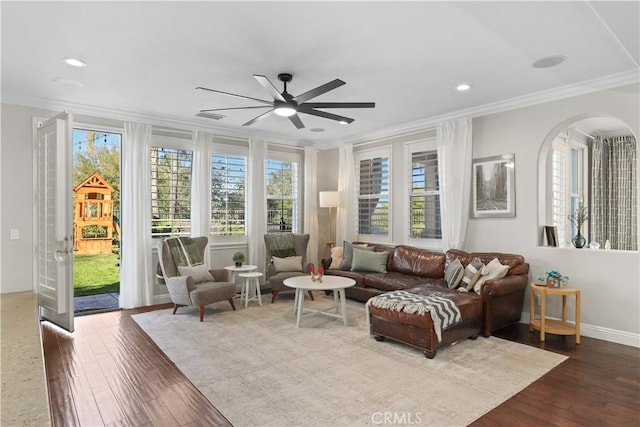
(146, 58)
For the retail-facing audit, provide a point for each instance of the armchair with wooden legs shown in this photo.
(195, 288)
(275, 278)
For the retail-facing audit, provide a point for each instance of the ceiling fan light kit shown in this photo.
(286, 105)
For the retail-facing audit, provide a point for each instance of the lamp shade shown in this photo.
(329, 199)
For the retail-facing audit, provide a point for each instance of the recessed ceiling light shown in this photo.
(66, 82)
(316, 130)
(549, 61)
(463, 86)
(75, 62)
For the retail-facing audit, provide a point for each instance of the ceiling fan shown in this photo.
(286, 105)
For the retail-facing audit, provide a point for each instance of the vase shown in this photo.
(578, 240)
(238, 264)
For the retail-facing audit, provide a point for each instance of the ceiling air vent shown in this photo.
(213, 116)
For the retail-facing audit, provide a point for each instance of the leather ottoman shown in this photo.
(417, 330)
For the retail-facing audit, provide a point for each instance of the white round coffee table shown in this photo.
(337, 284)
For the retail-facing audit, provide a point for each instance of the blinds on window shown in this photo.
(559, 184)
(424, 198)
(170, 191)
(373, 196)
(228, 184)
(282, 196)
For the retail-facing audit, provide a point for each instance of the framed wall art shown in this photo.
(493, 188)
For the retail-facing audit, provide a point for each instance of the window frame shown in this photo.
(228, 150)
(426, 145)
(294, 158)
(380, 152)
(162, 141)
(567, 143)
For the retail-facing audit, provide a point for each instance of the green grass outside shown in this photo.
(96, 274)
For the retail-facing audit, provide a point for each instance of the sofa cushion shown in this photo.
(291, 263)
(420, 262)
(375, 262)
(347, 253)
(491, 271)
(472, 273)
(453, 274)
(392, 280)
(336, 257)
(199, 273)
(516, 263)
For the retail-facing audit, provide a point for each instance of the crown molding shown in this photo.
(148, 118)
(563, 92)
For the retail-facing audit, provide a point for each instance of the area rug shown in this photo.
(258, 369)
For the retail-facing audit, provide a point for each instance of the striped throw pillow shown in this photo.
(472, 273)
(453, 274)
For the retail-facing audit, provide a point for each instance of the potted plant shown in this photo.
(238, 258)
(578, 218)
(554, 279)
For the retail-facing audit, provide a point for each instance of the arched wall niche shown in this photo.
(604, 125)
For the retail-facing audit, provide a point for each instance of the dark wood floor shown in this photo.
(109, 372)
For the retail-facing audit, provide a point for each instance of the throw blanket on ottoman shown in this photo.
(443, 311)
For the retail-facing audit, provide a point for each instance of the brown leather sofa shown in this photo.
(410, 267)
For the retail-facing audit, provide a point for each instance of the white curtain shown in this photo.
(256, 202)
(311, 202)
(201, 188)
(455, 138)
(346, 217)
(136, 269)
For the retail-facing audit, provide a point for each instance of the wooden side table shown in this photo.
(552, 326)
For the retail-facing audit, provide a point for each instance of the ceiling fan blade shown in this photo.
(235, 95)
(318, 91)
(323, 114)
(340, 104)
(235, 108)
(265, 83)
(295, 119)
(260, 117)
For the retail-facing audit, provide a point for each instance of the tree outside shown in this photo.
(99, 152)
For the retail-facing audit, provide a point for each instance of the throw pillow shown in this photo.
(453, 274)
(347, 252)
(291, 263)
(491, 271)
(336, 257)
(472, 273)
(375, 262)
(199, 273)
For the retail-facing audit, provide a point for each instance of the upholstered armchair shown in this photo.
(282, 246)
(197, 285)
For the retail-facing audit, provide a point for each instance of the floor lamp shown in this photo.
(329, 199)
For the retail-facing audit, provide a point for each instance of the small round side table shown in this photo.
(552, 326)
(251, 288)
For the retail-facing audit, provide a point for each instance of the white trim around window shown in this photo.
(385, 176)
(424, 146)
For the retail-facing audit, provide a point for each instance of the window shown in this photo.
(569, 181)
(424, 196)
(373, 193)
(282, 196)
(228, 184)
(170, 191)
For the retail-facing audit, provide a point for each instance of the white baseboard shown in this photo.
(601, 333)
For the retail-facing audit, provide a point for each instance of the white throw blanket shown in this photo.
(443, 311)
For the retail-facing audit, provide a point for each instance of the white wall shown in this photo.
(17, 197)
(609, 280)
